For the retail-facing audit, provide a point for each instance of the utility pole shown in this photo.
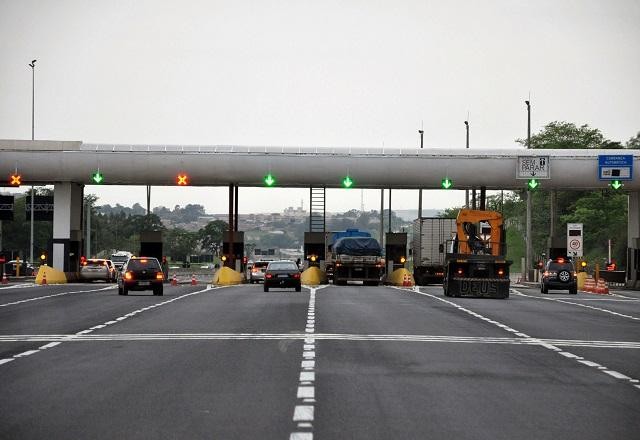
(528, 247)
(33, 113)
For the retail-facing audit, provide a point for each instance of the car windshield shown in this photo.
(261, 264)
(95, 263)
(143, 263)
(285, 265)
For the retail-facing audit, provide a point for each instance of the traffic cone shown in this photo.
(174, 280)
(193, 280)
(4, 278)
(602, 288)
(44, 278)
(589, 285)
(406, 281)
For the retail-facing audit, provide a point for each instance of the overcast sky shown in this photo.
(343, 73)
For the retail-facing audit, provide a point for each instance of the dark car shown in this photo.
(559, 274)
(282, 274)
(10, 268)
(141, 273)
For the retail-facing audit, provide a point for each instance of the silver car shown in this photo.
(94, 269)
(257, 271)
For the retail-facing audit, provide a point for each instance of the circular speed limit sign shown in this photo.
(574, 244)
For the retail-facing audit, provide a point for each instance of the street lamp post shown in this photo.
(528, 247)
(420, 190)
(32, 64)
(466, 191)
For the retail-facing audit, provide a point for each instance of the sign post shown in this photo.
(574, 239)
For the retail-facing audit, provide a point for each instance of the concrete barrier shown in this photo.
(313, 276)
(226, 276)
(52, 275)
(398, 277)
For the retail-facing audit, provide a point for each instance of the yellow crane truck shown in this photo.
(475, 262)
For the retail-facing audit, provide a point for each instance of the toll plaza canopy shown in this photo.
(43, 162)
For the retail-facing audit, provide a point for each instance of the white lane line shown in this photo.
(19, 286)
(54, 295)
(599, 309)
(5, 361)
(85, 333)
(546, 345)
(304, 409)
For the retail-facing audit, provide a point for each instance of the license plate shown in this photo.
(283, 275)
(143, 283)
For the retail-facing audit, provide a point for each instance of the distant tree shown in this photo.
(566, 135)
(179, 243)
(634, 142)
(212, 234)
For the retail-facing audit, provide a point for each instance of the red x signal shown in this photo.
(15, 180)
(182, 180)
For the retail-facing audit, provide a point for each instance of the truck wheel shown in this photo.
(298, 288)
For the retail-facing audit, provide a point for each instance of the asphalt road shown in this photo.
(79, 361)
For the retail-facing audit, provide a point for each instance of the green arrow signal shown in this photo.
(269, 180)
(447, 183)
(533, 184)
(347, 182)
(616, 184)
(97, 177)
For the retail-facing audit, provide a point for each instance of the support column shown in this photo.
(67, 226)
(528, 247)
(633, 240)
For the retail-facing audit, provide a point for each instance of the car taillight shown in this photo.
(546, 273)
(500, 272)
(268, 276)
(460, 271)
(296, 275)
(159, 276)
(255, 269)
(84, 263)
(128, 275)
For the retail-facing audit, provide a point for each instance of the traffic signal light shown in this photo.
(182, 180)
(15, 179)
(347, 182)
(446, 183)
(97, 177)
(313, 258)
(532, 184)
(43, 257)
(269, 180)
(403, 259)
(245, 260)
(223, 258)
(616, 184)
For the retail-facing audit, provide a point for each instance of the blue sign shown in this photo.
(615, 167)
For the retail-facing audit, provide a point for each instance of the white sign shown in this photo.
(533, 167)
(574, 239)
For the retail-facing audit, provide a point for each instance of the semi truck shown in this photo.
(430, 236)
(357, 259)
(329, 240)
(475, 264)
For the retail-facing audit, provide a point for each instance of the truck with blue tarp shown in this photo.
(357, 259)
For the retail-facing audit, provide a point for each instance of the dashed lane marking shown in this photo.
(304, 409)
(18, 286)
(54, 295)
(547, 345)
(599, 309)
(84, 333)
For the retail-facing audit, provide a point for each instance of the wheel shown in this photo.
(544, 289)
(266, 289)
(120, 291)
(298, 288)
(125, 291)
(157, 291)
(573, 291)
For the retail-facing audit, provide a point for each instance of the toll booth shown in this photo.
(234, 257)
(151, 244)
(395, 250)
(314, 249)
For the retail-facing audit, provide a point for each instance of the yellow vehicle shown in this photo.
(475, 261)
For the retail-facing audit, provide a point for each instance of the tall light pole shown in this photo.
(528, 250)
(420, 190)
(33, 112)
(466, 191)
